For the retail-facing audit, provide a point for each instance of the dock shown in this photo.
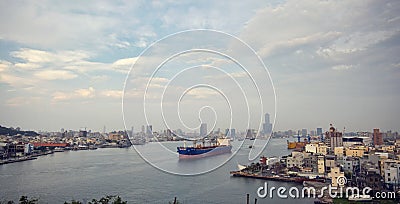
(9, 161)
(276, 177)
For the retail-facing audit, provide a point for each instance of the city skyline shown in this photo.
(63, 66)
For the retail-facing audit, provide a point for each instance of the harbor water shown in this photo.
(88, 174)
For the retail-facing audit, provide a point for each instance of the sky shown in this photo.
(63, 64)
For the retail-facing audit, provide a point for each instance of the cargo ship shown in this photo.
(199, 151)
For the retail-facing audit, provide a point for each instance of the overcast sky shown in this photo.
(63, 63)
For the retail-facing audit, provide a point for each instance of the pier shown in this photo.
(296, 179)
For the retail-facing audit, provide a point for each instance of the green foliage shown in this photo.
(110, 199)
(22, 200)
(73, 202)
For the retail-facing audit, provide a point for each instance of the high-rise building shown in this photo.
(149, 130)
(230, 133)
(142, 128)
(304, 132)
(233, 133)
(377, 137)
(267, 126)
(319, 131)
(250, 134)
(333, 138)
(266, 119)
(203, 129)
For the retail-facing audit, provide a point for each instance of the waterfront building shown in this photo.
(296, 159)
(311, 147)
(115, 136)
(316, 148)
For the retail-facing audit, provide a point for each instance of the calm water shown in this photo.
(83, 175)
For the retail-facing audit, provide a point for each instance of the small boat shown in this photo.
(360, 198)
(58, 149)
(241, 167)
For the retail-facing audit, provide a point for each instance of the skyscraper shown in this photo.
(377, 137)
(266, 119)
(304, 132)
(267, 126)
(149, 130)
(319, 131)
(203, 129)
(233, 133)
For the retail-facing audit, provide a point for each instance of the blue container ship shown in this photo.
(200, 151)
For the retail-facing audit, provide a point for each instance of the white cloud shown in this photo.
(88, 93)
(4, 65)
(55, 75)
(342, 67)
(61, 96)
(16, 81)
(112, 93)
(85, 93)
(21, 101)
(202, 93)
(124, 65)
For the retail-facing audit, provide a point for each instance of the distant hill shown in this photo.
(12, 131)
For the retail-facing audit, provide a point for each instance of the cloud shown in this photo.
(16, 81)
(328, 26)
(342, 67)
(88, 93)
(55, 75)
(61, 96)
(21, 101)
(202, 93)
(111, 93)
(39, 25)
(124, 65)
(4, 65)
(85, 93)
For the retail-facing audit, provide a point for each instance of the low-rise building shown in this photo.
(296, 159)
(334, 175)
